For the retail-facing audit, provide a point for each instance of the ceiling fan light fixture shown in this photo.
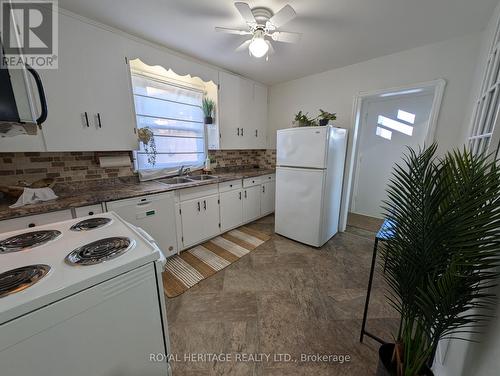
(258, 47)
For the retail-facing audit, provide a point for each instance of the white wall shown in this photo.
(453, 60)
(481, 358)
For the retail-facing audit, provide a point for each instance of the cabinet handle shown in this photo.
(205, 204)
(242, 131)
(256, 133)
(31, 225)
(199, 207)
(99, 120)
(263, 189)
(91, 213)
(238, 132)
(245, 194)
(240, 195)
(87, 119)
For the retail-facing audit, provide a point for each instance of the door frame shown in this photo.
(437, 85)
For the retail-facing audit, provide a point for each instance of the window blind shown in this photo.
(174, 114)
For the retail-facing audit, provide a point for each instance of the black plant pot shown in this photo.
(387, 368)
(323, 122)
(209, 120)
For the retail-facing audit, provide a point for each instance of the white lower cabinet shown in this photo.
(231, 209)
(83, 211)
(267, 197)
(34, 220)
(200, 219)
(251, 203)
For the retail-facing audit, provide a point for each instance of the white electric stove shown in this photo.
(82, 297)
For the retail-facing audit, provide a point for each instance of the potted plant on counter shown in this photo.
(325, 117)
(208, 106)
(146, 136)
(444, 255)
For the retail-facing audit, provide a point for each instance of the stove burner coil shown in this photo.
(100, 251)
(27, 240)
(16, 280)
(90, 224)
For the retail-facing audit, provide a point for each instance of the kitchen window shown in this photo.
(172, 111)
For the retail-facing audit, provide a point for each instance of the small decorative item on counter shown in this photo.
(208, 106)
(207, 165)
(325, 117)
(146, 136)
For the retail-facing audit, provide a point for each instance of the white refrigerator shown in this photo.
(309, 174)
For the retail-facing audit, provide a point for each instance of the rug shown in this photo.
(192, 266)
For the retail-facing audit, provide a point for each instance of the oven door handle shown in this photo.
(41, 94)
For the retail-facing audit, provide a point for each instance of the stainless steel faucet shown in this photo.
(184, 171)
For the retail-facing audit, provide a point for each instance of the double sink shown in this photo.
(187, 179)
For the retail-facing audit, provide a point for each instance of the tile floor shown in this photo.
(284, 298)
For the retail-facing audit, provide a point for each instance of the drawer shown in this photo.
(84, 211)
(248, 182)
(197, 192)
(270, 177)
(229, 185)
(34, 220)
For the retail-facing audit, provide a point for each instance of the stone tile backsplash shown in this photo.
(83, 166)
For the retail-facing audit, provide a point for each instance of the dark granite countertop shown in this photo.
(94, 192)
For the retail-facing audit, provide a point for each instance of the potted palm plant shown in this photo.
(445, 253)
(208, 106)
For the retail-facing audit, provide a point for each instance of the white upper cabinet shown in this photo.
(89, 96)
(242, 113)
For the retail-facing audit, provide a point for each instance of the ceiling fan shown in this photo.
(262, 23)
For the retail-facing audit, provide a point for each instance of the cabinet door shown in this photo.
(251, 203)
(200, 219)
(260, 118)
(92, 78)
(229, 111)
(231, 209)
(267, 198)
(68, 92)
(113, 108)
(246, 114)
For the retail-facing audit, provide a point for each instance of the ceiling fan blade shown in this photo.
(286, 36)
(246, 12)
(232, 31)
(243, 46)
(271, 48)
(283, 16)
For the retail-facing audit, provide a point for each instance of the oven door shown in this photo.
(114, 328)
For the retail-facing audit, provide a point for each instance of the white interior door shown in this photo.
(388, 126)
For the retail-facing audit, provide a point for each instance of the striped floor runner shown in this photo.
(194, 265)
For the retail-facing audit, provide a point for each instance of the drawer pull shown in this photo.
(31, 225)
(91, 213)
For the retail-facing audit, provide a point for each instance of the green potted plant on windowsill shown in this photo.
(208, 106)
(444, 255)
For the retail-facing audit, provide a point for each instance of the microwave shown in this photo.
(19, 113)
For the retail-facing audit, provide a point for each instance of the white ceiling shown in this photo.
(336, 32)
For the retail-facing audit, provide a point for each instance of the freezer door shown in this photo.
(299, 204)
(302, 147)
